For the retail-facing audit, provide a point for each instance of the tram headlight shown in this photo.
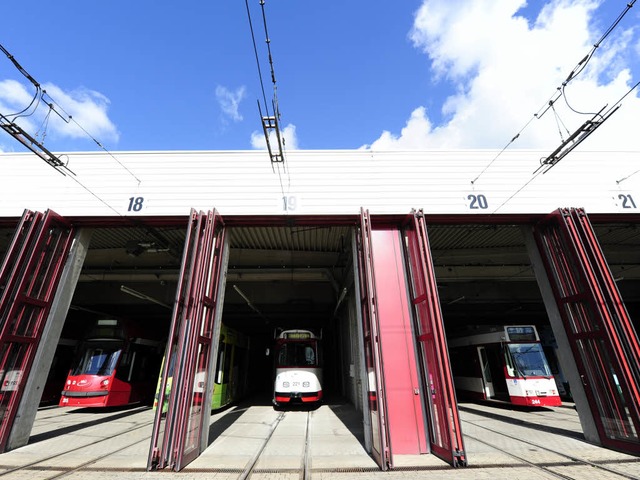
(104, 384)
(305, 384)
(285, 384)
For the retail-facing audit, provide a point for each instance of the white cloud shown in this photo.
(504, 69)
(13, 95)
(288, 134)
(87, 108)
(229, 101)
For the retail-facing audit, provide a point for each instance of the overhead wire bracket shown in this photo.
(270, 123)
(576, 138)
(32, 144)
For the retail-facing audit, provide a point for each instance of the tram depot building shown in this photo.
(387, 254)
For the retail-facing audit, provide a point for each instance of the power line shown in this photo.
(71, 119)
(590, 125)
(270, 122)
(8, 123)
(255, 51)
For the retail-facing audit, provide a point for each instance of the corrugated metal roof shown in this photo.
(307, 239)
(627, 234)
(458, 237)
(335, 238)
(118, 237)
(302, 239)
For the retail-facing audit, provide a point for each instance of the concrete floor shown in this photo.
(500, 444)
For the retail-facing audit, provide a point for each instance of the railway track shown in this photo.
(531, 455)
(82, 458)
(71, 456)
(305, 459)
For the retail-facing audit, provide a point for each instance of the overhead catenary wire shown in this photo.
(9, 125)
(270, 120)
(585, 130)
(276, 108)
(70, 118)
(255, 51)
(12, 128)
(576, 141)
(560, 90)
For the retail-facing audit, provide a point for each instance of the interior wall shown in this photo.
(348, 325)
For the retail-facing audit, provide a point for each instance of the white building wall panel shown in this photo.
(319, 183)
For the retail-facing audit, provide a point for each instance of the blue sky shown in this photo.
(407, 74)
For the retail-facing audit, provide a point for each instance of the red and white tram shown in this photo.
(298, 368)
(504, 363)
(113, 368)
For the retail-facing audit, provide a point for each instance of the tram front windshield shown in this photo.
(98, 360)
(529, 359)
(297, 355)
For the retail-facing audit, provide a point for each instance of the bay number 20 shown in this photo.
(477, 202)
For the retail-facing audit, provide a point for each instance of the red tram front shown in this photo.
(112, 368)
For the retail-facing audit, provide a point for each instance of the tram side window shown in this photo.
(222, 359)
(511, 371)
(227, 363)
(137, 364)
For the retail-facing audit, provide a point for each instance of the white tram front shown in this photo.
(298, 368)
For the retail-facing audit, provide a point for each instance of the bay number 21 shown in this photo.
(627, 201)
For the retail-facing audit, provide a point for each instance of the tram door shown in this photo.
(179, 436)
(29, 278)
(487, 379)
(441, 404)
(602, 338)
(373, 356)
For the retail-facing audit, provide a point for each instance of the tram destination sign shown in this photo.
(521, 334)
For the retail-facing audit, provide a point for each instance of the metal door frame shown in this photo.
(178, 438)
(29, 275)
(438, 390)
(603, 341)
(372, 347)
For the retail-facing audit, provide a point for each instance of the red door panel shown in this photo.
(602, 338)
(29, 277)
(177, 436)
(373, 350)
(440, 400)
